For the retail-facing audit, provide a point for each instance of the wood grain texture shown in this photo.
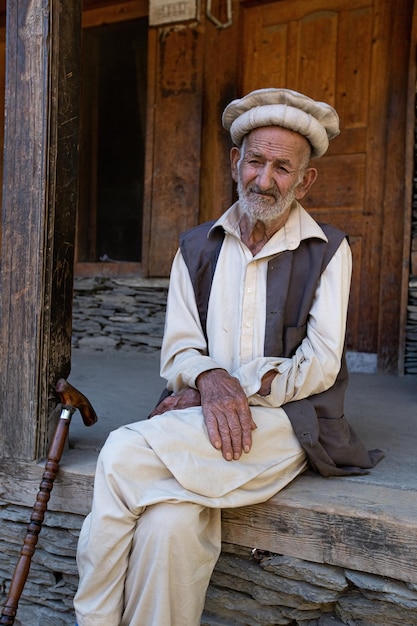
(345, 523)
(341, 52)
(176, 138)
(341, 522)
(219, 88)
(73, 486)
(38, 217)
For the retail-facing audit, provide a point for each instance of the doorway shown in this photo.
(112, 146)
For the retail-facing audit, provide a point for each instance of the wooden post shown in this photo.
(173, 141)
(398, 176)
(40, 190)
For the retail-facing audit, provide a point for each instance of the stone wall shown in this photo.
(248, 588)
(48, 594)
(129, 314)
(119, 313)
(253, 588)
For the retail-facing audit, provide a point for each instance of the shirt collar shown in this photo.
(300, 225)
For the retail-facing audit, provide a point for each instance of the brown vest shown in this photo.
(331, 445)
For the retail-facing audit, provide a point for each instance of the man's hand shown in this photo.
(226, 412)
(266, 382)
(181, 400)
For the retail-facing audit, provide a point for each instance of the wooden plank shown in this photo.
(86, 236)
(376, 53)
(409, 264)
(340, 522)
(94, 15)
(177, 103)
(347, 191)
(149, 147)
(72, 490)
(354, 310)
(355, 36)
(395, 181)
(20, 257)
(274, 11)
(38, 217)
(312, 67)
(62, 190)
(216, 192)
(273, 43)
(2, 90)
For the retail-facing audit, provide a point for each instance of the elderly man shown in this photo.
(253, 355)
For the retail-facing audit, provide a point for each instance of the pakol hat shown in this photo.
(317, 121)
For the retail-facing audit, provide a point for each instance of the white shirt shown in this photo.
(236, 318)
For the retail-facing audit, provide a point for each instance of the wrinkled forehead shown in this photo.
(277, 142)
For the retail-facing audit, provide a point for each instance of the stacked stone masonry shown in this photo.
(248, 588)
(119, 313)
(411, 329)
(129, 314)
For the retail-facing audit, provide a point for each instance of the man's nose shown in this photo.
(265, 178)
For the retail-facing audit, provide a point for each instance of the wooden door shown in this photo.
(337, 51)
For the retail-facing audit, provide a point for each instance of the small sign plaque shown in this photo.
(171, 11)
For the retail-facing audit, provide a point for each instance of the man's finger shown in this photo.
(219, 435)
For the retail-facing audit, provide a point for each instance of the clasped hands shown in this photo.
(225, 409)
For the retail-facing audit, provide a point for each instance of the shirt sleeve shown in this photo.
(184, 347)
(316, 362)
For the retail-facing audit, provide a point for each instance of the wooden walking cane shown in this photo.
(71, 400)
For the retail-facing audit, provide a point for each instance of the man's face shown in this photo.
(271, 171)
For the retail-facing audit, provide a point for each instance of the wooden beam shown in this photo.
(338, 521)
(396, 182)
(410, 123)
(72, 489)
(174, 130)
(346, 523)
(95, 14)
(220, 87)
(38, 216)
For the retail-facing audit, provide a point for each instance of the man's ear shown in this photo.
(234, 159)
(309, 178)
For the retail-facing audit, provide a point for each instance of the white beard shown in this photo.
(257, 206)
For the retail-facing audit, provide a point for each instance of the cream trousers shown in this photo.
(147, 550)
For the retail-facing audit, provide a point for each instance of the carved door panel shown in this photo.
(336, 51)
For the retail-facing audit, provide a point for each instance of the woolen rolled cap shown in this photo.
(317, 121)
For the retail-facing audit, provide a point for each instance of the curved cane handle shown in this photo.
(70, 396)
